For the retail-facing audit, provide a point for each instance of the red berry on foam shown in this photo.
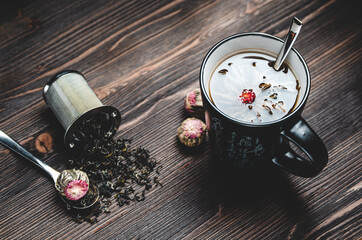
(247, 96)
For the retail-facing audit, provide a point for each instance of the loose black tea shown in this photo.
(122, 173)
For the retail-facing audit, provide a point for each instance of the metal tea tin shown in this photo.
(73, 102)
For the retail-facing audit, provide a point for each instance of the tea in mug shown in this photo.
(246, 87)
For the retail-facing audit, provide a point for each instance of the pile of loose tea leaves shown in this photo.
(122, 173)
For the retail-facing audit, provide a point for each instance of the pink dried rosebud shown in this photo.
(192, 132)
(193, 103)
(76, 189)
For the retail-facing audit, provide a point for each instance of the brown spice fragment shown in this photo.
(282, 87)
(264, 86)
(297, 87)
(250, 107)
(223, 71)
(268, 109)
(274, 95)
(282, 108)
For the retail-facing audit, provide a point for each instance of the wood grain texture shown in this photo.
(142, 57)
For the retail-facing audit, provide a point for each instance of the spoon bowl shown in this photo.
(87, 201)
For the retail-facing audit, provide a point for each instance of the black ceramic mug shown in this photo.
(247, 146)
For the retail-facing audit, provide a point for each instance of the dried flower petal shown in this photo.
(223, 71)
(274, 95)
(264, 86)
(268, 109)
(282, 87)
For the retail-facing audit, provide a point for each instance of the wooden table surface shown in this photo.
(142, 57)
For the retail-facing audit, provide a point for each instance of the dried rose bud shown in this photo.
(68, 175)
(72, 183)
(247, 96)
(193, 104)
(76, 189)
(192, 132)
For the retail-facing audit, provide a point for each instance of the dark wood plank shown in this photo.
(143, 57)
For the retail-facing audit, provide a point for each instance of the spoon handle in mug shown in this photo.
(10, 143)
(288, 43)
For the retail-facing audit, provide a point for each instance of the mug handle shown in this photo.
(304, 137)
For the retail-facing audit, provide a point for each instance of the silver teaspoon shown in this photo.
(288, 43)
(8, 142)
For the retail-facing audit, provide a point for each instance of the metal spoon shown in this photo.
(8, 142)
(288, 43)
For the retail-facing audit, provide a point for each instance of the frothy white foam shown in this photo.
(247, 71)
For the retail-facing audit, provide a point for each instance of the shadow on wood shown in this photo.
(258, 190)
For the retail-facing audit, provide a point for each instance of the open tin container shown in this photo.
(74, 103)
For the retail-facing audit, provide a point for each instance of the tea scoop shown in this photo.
(60, 179)
(293, 33)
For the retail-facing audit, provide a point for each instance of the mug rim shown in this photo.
(267, 124)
